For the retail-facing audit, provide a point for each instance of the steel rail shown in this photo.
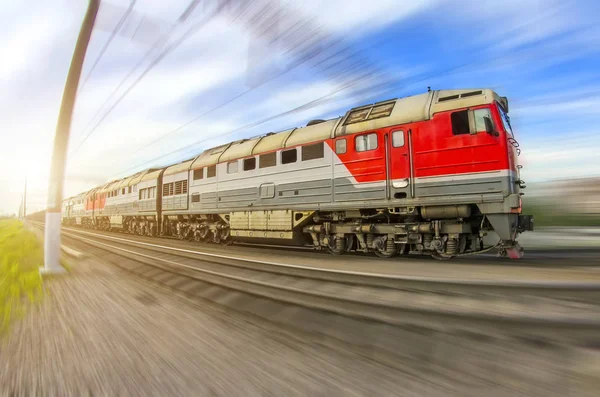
(552, 289)
(345, 301)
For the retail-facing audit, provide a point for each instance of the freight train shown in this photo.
(430, 174)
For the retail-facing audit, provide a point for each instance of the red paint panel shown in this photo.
(366, 166)
(437, 151)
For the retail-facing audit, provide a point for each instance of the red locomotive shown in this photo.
(427, 174)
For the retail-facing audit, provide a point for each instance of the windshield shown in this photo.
(505, 120)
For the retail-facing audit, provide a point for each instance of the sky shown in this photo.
(170, 85)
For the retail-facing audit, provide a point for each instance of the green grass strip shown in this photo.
(21, 255)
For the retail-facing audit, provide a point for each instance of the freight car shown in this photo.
(427, 174)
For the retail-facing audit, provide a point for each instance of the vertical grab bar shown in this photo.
(411, 164)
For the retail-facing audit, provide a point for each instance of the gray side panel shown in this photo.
(147, 205)
(345, 191)
(178, 202)
(304, 192)
(237, 198)
(317, 195)
(208, 200)
(462, 187)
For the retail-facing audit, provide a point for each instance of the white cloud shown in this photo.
(36, 42)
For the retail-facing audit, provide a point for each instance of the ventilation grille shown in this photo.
(376, 111)
(457, 96)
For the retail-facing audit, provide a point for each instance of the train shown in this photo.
(429, 174)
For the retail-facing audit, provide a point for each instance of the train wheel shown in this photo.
(441, 257)
(340, 245)
(385, 254)
(202, 235)
(225, 236)
(385, 248)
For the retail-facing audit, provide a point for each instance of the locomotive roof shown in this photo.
(135, 179)
(363, 118)
(412, 109)
(151, 175)
(179, 167)
(114, 185)
(104, 188)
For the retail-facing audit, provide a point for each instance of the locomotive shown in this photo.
(430, 174)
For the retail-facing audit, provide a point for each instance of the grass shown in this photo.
(550, 214)
(21, 256)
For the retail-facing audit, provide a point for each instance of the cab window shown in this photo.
(366, 142)
(480, 115)
(460, 122)
(505, 120)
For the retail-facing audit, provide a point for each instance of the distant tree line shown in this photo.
(39, 216)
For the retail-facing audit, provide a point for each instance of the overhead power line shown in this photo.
(304, 40)
(158, 44)
(152, 64)
(110, 39)
(304, 106)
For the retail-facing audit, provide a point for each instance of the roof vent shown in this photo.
(448, 98)
(472, 93)
(457, 96)
(313, 122)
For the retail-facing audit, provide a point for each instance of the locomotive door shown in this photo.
(397, 164)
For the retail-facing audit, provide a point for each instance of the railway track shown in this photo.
(553, 311)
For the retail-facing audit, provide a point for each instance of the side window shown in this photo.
(312, 152)
(480, 115)
(267, 160)
(249, 164)
(398, 138)
(130, 189)
(366, 142)
(195, 198)
(232, 167)
(198, 174)
(289, 156)
(460, 122)
(211, 171)
(340, 146)
(123, 191)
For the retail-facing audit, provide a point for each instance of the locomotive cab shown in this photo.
(486, 155)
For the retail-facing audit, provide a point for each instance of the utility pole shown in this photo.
(61, 139)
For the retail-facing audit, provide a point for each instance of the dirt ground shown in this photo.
(101, 331)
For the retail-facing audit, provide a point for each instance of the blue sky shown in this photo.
(543, 55)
